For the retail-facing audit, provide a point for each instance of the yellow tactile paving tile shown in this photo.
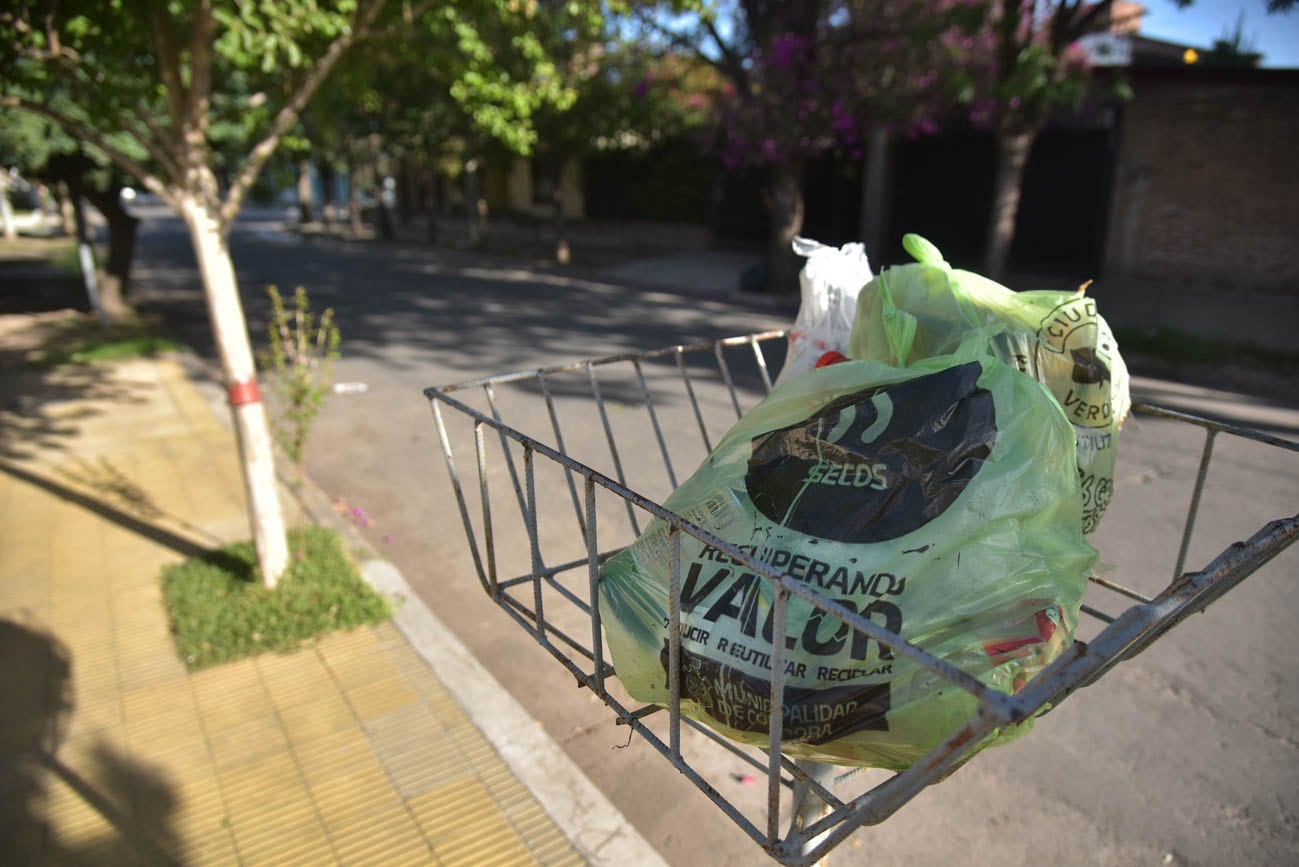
(162, 720)
(309, 720)
(461, 816)
(417, 772)
(381, 696)
(335, 755)
(391, 838)
(282, 833)
(345, 800)
(230, 694)
(247, 743)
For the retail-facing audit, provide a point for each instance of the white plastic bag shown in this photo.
(830, 281)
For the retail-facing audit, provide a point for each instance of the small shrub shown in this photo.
(300, 359)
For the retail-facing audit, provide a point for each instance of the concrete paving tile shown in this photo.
(104, 749)
(449, 714)
(335, 755)
(211, 849)
(133, 598)
(94, 677)
(358, 668)
(391, 837)
(545, 842)
(400, 850)
(231, 694)
(408, 728)
(102, 717)
(27, 549)
(190, 814)
(109, 850)
(416, 773)
(273, 779)
(465, 827)
(311, 720)
(282, 834)
(488, 847)
(149, 666)
(247, 743)
(293, 677)
(426, 684)
(73, 821)
(18, 593)
(181, 759)
(88, 643)
(84, 614)
(158, 709)
(380, 697)
(347, 799)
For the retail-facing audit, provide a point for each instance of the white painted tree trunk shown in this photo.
(231, 332)
(6, 210)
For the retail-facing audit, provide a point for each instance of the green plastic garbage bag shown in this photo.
(928, 308)
(940, 501)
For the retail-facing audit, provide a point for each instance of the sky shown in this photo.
(1277, 36)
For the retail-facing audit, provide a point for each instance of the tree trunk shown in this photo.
(86, 257)
(306, 201)
(406, 195)
(6, 209)
(471, 203)
(231, 332)
(784, 200)
(354, 202)
(327, 185)
(382, 215)
(115, 276)
(1013, 149)
(434, 205)
(875, 196)
(115, 279)
(562, 255)
(67, 218)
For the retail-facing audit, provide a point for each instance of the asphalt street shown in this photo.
(1187, 755)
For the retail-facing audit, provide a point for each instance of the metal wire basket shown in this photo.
(657, 413)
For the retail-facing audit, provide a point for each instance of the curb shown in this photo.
(595, 827)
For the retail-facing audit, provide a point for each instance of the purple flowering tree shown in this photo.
(804, 78)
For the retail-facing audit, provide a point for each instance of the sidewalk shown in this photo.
(354, 751)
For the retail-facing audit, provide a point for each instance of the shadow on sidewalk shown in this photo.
(147, 523)
(37, 783)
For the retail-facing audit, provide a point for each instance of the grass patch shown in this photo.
(219, 610)
(89, 342)
(1177, 346)
(59, 254)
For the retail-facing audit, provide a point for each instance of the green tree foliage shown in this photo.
(206, 91)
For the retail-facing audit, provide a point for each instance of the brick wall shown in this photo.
(1206, 189)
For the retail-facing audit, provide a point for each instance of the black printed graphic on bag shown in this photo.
(879, 463)
(728, 626)
(1097, 491)
(814, 716)
(1070, 335)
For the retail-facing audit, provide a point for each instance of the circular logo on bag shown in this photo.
(1075, 357)
(878, 463)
